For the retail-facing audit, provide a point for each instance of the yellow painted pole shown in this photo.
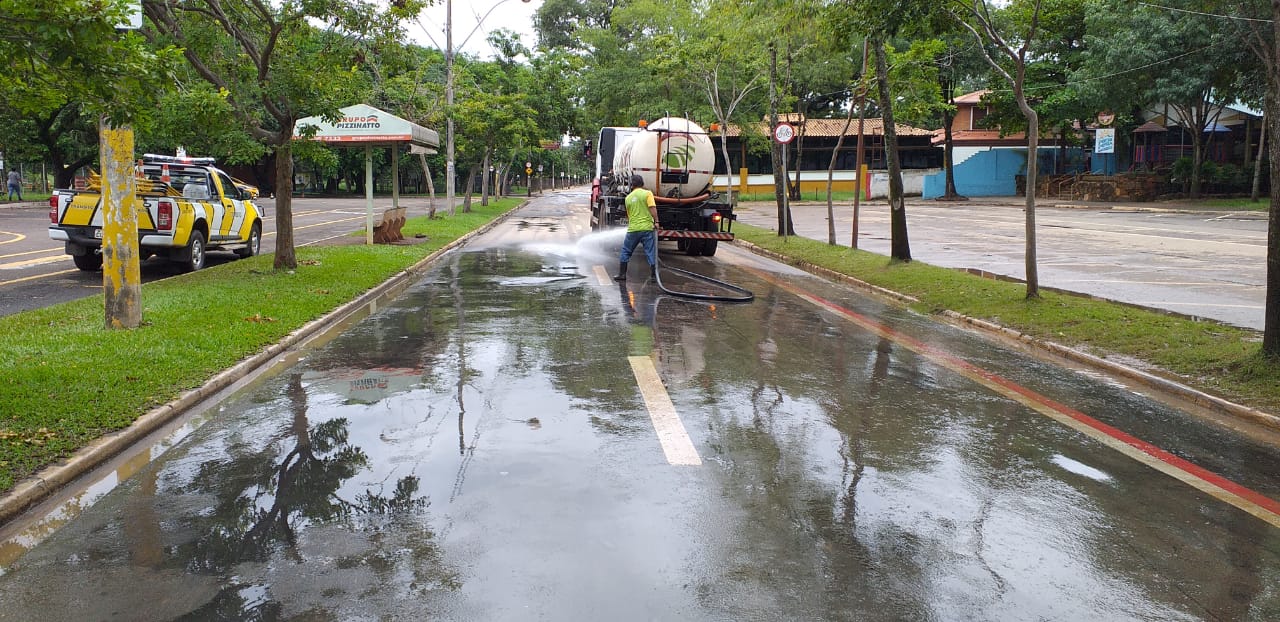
(121, 278)
(742, 180)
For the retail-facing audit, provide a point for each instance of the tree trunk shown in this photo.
(431, 186)
(1271, 313)
(948, 153)
(899, 246)
(1033, 164)
(1197, 161)
(285, 258)
(728, 168)
(1256, 191)
(831, 171)
(471, 183)
(484, 179)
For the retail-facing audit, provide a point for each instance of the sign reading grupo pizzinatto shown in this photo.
(360, 123)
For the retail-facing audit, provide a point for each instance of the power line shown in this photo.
(1177, 10)
(1120, 73)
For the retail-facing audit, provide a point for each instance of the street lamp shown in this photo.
(448, 91)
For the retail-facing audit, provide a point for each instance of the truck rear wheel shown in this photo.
(192, 257)
(709, 247)
(89, 262)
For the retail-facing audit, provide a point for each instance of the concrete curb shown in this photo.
(35, 489)
(1153, 381)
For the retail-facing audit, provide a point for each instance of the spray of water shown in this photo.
(601, 243)
(594, 248)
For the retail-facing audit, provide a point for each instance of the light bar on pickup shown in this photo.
(155, 158)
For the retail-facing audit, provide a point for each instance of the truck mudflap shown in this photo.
(669, 234)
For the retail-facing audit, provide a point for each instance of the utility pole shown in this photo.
(449, 54)
(121, 275)
(448, 101)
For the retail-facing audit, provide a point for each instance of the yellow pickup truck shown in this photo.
(187, 207)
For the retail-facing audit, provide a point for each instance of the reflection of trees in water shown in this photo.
(811, 371)
(265, 496)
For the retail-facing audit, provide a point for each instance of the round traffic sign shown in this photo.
(784, 133)
(528, 164)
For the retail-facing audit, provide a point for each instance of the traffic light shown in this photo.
(586, 149)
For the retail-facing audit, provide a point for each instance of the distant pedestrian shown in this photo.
(642, 220)
(15, 185)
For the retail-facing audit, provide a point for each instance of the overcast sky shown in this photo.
(510, 14)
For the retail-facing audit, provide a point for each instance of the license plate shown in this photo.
(97, 233)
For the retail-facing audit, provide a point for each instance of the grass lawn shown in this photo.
(68, 380)
(1261, 205)
(1215, 358)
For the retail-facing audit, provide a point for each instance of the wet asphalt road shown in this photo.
(486, 448)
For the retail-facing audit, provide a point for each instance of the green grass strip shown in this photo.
(1215, 358)
(67, 380)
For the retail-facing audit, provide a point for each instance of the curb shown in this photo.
(37, 488)
(1152, 381)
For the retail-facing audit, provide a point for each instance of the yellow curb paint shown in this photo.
(676, 444)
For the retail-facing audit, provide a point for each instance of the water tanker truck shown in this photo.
(675, 158)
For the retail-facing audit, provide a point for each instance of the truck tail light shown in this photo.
(716, 217)
(164, 215)
(53, 208)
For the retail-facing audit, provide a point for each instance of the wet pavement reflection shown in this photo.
(479, 451)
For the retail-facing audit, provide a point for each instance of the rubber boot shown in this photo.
(622, 271)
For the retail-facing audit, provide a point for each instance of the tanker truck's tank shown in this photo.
(673, 155)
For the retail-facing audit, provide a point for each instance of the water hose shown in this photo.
(744, 295)
(681, 201)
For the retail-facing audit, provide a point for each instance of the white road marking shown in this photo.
(676, 443)
(602, 275)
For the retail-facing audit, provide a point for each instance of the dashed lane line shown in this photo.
(676, 444)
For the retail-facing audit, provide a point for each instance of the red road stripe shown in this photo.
(966, 368)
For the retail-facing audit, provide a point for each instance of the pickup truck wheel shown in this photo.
(255, 242)
(88, 262)
(193, 256)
